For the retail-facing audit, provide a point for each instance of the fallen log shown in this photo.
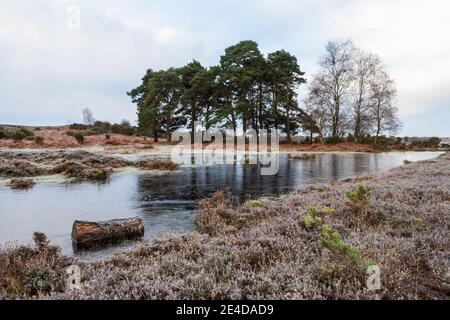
(88, 235)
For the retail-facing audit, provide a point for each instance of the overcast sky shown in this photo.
(50, 72)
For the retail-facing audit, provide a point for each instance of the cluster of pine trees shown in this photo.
(246, 90)
(249, 90)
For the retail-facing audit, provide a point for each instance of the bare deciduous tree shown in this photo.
(88, 118)
(351, 94)
(315, 106)
(367, 66)
(334, 80)
(384, 113)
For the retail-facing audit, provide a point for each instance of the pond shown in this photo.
(167, 202)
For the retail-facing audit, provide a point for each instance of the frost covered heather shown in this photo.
(265, 250)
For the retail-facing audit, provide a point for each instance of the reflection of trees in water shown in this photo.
(244, 181)
(241, 180)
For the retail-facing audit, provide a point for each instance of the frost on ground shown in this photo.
(313, 244)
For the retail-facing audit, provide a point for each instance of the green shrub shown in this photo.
(123, 129)
(361, 195)
(315, 216)
(116, 128)
(129, 131)
(418, 222)
(104, 127)
(26, 132)
(256, 203)
(79, 136)
(79, 126)
(18, 135)
(4, 134)
(332, 240)
(311, 221)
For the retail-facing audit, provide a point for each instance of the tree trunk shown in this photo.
(357, 133)
(288, 128)
(193, 119)
(87, 234)
(336, 119)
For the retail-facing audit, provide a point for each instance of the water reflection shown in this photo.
(166, 202)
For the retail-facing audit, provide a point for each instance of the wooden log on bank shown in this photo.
(87, 235)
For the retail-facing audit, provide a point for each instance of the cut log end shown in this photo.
(88, 235)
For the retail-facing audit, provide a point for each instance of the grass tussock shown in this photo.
(301, 156)
(21, 184)
(158, 164)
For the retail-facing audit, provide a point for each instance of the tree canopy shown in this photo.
(350, 94)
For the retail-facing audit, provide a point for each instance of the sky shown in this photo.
(52, 64)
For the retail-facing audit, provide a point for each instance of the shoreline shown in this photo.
(43, 165)
(266, 245)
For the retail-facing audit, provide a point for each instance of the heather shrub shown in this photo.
(214, 213)
(27, 271)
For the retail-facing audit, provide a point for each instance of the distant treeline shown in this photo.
(351, 95)
(103, 127)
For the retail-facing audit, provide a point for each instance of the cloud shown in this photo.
(50, 73)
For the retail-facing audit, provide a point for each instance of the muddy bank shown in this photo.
(312, 244)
